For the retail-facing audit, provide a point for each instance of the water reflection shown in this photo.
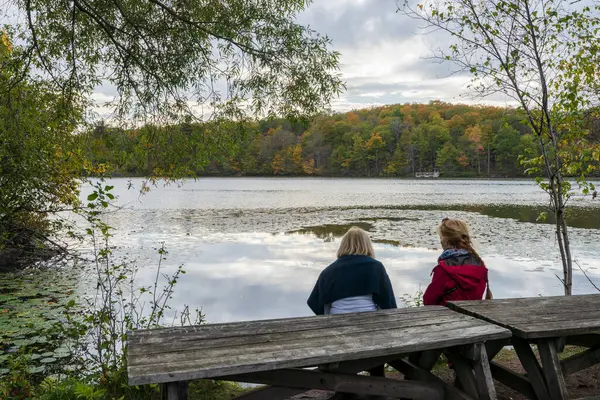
(253, 248)
(329, 232)
(578, 217)
(258, 275)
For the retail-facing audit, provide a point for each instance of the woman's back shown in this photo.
(351, 277)
(460, 273)
(355, 282)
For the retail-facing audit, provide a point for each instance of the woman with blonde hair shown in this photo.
(355, 282)
(460, 273)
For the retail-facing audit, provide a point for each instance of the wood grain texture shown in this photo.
(552, 369)
(538, 317)
(531, 365)
(182, 354)
(483, 375)
(365, 385)
(283, 393)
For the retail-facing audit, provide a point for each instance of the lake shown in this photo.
(253, 247)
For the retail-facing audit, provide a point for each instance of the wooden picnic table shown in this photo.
(549, 323)
(281, 353)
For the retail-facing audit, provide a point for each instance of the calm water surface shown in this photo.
(253, 247)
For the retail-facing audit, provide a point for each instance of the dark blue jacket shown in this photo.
(351, 276)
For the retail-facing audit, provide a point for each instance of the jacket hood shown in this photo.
(451, 253)
(468, 276)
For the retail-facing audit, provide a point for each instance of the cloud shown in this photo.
(384, 57)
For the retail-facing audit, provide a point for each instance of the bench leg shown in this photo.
(532, 367)
(473, 372)
(483, 375)
(174, 391)
(552, 369)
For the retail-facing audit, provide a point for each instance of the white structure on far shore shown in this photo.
(432, 174)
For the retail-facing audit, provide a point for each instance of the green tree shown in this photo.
(163, 55)
(38, 161)
(536, 52)
(447, 158)
(506, 144)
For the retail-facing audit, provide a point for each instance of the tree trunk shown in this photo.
(488, 160)
(563, 236)
(558, 207)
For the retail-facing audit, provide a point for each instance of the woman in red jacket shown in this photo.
(460, 273)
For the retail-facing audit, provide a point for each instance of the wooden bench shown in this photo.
(549, 323)
(281, 353)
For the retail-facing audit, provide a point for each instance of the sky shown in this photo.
(384, 56)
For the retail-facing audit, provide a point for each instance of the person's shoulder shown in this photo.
(373, 262)
(331, 267)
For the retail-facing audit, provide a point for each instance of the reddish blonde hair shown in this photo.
(454, 233)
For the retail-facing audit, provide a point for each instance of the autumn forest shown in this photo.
(396, 140)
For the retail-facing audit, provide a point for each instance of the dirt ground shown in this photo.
(581, 385)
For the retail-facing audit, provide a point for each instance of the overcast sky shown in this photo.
(384, 56)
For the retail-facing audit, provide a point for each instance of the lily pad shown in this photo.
(61, 352)
(36, 369)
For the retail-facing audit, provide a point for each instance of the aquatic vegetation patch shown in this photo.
(31, 304)
(330, 231)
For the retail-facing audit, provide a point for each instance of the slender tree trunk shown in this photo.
(488, 160)
(556, 182)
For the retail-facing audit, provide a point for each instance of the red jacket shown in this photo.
(456, 282)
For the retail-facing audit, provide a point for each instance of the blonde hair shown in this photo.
(356, 242)
(454, 233)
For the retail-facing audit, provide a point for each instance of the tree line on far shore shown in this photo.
(394, 140)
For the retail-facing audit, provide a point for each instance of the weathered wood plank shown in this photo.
(167, 367)
(191, 343)
(281, 393)
(549, 319)
(414, 372)
(558, 329)
(265, 327)
(587, 340)
(520, 317)
(464, 372)
(354, 366)
(552, 369)
(513, 380)
(581, 361)
(531, 365)
(385, 338)
(538, 301)
(483, 376)
(285, 324)
(365, 385)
